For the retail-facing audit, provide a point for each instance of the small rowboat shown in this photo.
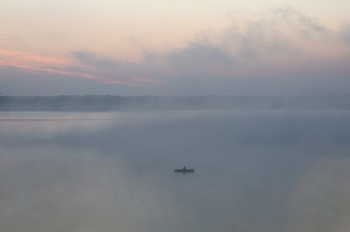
(184, 170)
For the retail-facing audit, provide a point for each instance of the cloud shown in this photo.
(91, 58)
(198, 57)
(278, 36)
(4, 35)
(50, 65)
(279, 51)
(130, 72)
(345, 34)
(280, 32)
(305, 24)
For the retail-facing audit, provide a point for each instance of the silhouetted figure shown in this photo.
(184, 168)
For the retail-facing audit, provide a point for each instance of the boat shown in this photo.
(184, 170)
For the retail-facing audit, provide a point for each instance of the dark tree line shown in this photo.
(142, 103)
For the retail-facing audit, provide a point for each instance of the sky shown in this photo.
(179, 47)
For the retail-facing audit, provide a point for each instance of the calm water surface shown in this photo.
(254, 171)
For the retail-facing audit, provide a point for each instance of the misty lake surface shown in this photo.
(254, 171)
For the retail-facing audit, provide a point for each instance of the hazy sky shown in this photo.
(178, 47)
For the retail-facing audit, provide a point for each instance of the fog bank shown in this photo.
(254, 171)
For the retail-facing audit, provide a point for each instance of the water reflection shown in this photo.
(255, 171)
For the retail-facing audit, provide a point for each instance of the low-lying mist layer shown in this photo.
(119, 131)
(254, 171)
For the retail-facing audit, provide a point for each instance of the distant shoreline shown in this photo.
(107, 103)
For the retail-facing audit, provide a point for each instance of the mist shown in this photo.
(255, 170)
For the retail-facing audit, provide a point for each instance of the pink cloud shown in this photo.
(51, 65)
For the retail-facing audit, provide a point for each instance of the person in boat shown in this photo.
(184, 168)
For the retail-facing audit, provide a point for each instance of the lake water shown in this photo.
(254, 171)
